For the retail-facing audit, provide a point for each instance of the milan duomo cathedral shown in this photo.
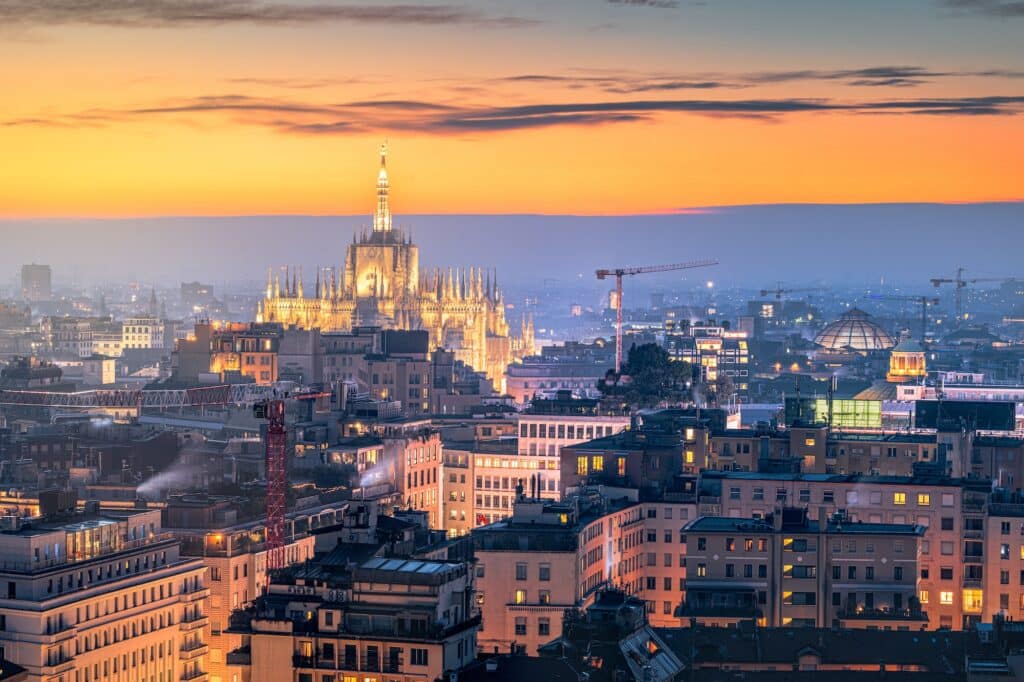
(382, 285)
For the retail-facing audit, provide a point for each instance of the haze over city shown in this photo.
(489, 341)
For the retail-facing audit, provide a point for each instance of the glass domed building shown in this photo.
(854, 332)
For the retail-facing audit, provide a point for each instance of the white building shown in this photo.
(142, 332)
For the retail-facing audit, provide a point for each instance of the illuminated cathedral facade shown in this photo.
(381, 284)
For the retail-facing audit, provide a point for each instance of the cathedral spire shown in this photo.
(382, 218)
(270, 282)
(277, 286)
(299, 288)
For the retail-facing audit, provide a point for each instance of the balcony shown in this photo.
(194, 595)
(973, 582)
(193, 675)
(240, 657)
(194, 623)
(193, 650)
(974, 534)
(862, 613)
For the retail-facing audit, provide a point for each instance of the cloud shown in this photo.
(415, 116)
(192, 13)
(991, 8)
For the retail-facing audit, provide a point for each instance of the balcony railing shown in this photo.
(882, 614)
(32, 566)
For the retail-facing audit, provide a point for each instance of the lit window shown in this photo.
(581, 466)
(945, 598)
(689, 456)
(899, 498)
(809, 442)
(521, 596)
(597, 463)
(923, 499)
(923, 596)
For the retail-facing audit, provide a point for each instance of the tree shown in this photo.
(650, 377)
(722, 389)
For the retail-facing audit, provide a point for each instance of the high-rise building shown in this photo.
(381, 284)
(36, 282)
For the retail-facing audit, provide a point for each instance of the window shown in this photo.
(851, 572)
(702, 570)
(419, 656)
(946, 598)
(581, 466)
(897, 573)
(652, 583)
(702, 544)
(1004, 577)
(805, 495)
(545, 572)
(597, 462)
(520, 626)
(520, 571)
(748, 545)
(545, 597)
(869, 573)
(730, 571)
(899, 498)
(1004, 528)
(734, 493)
(923, 596)
(1004, 551)
(544, 626)
(947, 523)
(730, 544)
(762, 571)
(946, 547)
(946, 573)
(520, 596)
(758, 493)
(924, 500)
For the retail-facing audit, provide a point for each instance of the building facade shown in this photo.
(102, 597)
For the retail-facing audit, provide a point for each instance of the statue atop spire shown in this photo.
(382, 218)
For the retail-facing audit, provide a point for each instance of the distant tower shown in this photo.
(154, 307)
(382, 217)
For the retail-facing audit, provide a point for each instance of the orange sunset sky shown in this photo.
(239, 107)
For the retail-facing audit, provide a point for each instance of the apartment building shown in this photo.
(650, 456)
(787, 570)
(384, 619)
(235, 553)
(952, 511)
(549, 557)
(715, 351)
(457, 508)
(1004, 568)
(101, 596)
(142, 332)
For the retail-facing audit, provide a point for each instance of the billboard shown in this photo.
(981, 415)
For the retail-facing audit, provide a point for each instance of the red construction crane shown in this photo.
(619, 273)
(266, 405)
(277, 479)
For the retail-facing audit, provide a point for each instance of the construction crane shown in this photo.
(619, 273)
(779, 291)
(923, 301)
(960, 283)
(267, 403)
